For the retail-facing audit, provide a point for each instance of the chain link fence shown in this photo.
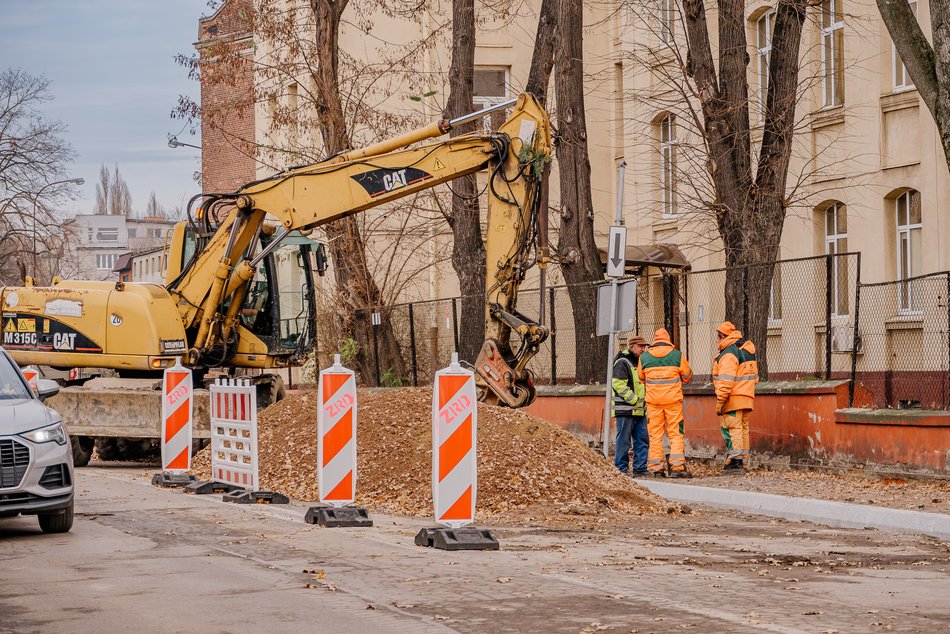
(902, 348)
(891, 339)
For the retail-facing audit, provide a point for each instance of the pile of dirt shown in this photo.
(528, 469)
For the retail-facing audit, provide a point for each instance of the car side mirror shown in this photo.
(47, 388)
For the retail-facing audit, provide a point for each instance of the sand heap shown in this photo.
(527, 467)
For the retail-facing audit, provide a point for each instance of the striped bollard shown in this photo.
(336, 451)
(177, 416)
(32, 374)
(454, 470)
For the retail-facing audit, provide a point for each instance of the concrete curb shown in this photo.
(807, 509)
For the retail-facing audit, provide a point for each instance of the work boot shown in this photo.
(659, 474)
(733, 467)
(679, 474)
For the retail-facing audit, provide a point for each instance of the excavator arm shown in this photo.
(211, 288)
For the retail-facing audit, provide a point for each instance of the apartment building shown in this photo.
(101, 239)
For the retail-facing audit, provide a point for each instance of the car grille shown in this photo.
(14, 461)
(55, 477)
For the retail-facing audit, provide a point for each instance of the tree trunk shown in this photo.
(577, 249)
(359, 293)
(542, 59)
(468, 250)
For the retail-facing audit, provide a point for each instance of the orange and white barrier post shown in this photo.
(32, 374)
(336, 450)
(454, 470)
(177, 416)
(454, 428)
(336, 435)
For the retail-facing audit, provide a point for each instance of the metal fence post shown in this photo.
(412, 347)
(376, 349)
(685, 279)
(455, 322)
(745, 298)
(553, 338)
(855, 337)
(828, 269)
(946, 402)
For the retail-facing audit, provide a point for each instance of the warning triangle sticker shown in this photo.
(9, 326)
(439, 165)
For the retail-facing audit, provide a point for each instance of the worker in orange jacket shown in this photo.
(735, 373)
(664, 369)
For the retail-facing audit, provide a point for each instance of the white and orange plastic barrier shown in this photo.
(32, 374)
(177, 416)
(454, 429)
(336, 435)
(234, 433)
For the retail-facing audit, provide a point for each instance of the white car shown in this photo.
(36, 459)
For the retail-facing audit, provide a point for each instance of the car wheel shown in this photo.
(57, 521)
(82, 450)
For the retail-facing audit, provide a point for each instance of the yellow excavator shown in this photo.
(223, 305)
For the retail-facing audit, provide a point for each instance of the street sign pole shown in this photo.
(616, 261)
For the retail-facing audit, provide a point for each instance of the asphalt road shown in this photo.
(141, 559)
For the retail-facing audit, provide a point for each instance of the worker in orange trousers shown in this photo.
(664, 369)
(735, 373)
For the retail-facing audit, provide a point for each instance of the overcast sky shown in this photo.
(114, 80)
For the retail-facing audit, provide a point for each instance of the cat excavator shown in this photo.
(225, 303)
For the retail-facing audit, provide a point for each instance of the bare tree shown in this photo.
(34, 160)
(112, 193)
(928, 65)
(153, 207)
(468, 250)
(576, 248)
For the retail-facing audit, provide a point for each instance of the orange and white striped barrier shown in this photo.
(454, 428)
(234, 433)
(177, 415)
(336, 435)
(32, 374)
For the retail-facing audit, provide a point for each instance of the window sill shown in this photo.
(899, 100)
(666, 223)
(910, 321)
(661, 54)
(832, 115)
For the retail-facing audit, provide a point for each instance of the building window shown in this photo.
(667, 20)
(836, 244)
(107, 234)
(909, 233)
(902, 80)
(105, 261)
(832, 52)
(490, 88)
(775, 295)
(667, 131)
(131, 232)
(764, 28)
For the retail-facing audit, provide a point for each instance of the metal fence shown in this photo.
(902, 344)
(810, 298)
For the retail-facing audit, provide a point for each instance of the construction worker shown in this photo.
(735, 373)
(664, 369)
(630, 409)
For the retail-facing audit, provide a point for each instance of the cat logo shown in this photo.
(382, 181)
(64, 341)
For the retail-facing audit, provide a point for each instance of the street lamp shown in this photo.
(173, 142)
(36, 199)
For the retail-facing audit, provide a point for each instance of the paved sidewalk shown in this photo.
(818, 511)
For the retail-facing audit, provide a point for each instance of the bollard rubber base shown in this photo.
(345, 517)
(467, 538)
(255, 497)
(171, 480)
(206, 487)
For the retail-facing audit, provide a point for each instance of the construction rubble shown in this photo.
(528, 469)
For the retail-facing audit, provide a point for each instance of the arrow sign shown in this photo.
(616, 251)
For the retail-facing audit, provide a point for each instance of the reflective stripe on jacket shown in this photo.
(664, 369)
(629, 391)
(735, 373)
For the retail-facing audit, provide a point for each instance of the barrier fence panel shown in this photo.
(234, 433)
(903, 345)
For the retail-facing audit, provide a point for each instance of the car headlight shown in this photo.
(52, 433)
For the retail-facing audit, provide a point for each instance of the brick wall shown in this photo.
(227, 98)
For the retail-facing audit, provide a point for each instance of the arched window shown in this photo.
(909, 249)
(667, 136)
(835, 220)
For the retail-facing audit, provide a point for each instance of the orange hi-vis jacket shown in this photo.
(735, 373)
(664, 369)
